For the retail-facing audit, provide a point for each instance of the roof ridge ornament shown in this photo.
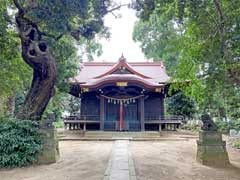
(122, 58)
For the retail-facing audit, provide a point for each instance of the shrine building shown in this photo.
(122, 96)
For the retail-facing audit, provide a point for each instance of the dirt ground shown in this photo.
(176, 160)
(156, 160)
(79, 160)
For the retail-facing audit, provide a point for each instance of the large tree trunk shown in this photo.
(36, 54)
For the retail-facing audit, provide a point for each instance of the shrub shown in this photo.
(58, 124)
(225, 126)
(190, 126)
(19, 142)
(236, 144)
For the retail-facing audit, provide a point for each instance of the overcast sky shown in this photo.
(121, 37)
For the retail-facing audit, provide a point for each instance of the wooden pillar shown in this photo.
(142, 113)
(102, 113)
(160, 127)
(162, 106)
(121, 116)
(80, 106)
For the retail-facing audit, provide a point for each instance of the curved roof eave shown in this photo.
(120, 78)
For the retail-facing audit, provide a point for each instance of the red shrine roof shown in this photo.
(94, 74)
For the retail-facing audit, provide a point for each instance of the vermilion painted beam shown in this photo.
(121, 116)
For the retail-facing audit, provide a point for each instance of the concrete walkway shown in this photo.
(120, 165)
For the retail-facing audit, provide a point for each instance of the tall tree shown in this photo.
(203, 38)
(41, 24)
(179, 104)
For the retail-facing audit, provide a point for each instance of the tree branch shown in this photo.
(114, 15)
(19, 7)
(21, 13)
(56, 38)
(116, 8)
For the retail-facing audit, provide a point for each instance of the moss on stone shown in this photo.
(50, 152)
(211, 150)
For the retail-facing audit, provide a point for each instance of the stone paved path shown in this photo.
(120, 165)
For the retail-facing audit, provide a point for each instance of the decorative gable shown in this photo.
(122, 68)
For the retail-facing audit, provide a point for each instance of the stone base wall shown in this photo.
(211, 149)
(50, 151)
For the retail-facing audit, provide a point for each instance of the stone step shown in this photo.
(121, 134)
(120, 138)
(112, 136)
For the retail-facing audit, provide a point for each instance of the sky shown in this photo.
(121, 37)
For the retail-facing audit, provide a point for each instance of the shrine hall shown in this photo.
(121, 96)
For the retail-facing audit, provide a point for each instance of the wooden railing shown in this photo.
(170, 122)
(164, 118)
(80, 121)
(83, 117)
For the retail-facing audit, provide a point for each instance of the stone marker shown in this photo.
(211, 149)
(233, 133)
(50, 150)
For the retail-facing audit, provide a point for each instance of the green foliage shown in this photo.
(19, 142)
(75, 17)
(61, 16)
(199, 41)
(236, 144)
(14, 74)
(67, 61)
(179, 104)
(19, 100)
(56, 105)
(60, 103)
(159, 40)
(73, 105)
(58, 124)
(60, 25)
(225, 126)
(191, 127)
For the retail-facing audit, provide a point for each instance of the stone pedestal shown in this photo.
(50, 151)
(211, 149)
